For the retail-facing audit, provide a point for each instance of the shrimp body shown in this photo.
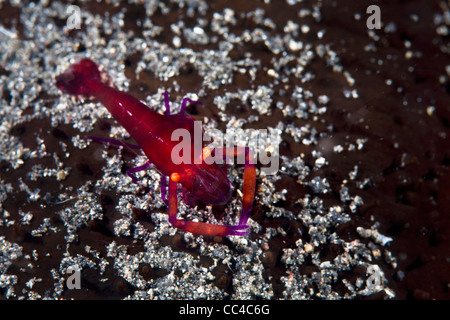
(153, 133)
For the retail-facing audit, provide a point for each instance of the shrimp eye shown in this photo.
(175, 177)
(206, 152)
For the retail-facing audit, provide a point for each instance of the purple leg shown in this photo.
(132, 171)
(185, 102)
(166, 102)
(164, 189)
(114, 141)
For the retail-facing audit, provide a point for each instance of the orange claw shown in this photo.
(249, 187)
(201, 228)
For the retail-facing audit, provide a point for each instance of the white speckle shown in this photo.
(323, 99)
(320, 162)
(305, 28)
(176, 41)
(430, 110)
(391, 27)
(295, 45)
(447, 69)
(349, 78)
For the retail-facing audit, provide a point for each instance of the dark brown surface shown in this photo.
(410, 191)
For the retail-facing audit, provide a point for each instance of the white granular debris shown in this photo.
(49, 48)
(374, 235)
(323, 99)
(320, 162)
(352, 174)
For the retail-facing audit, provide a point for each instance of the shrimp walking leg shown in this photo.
(249, 186)
(202, 228)
(185, 102)
(114, 141)
(164, 189)
(132, 171)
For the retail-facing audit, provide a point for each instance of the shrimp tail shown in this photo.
(80, 78)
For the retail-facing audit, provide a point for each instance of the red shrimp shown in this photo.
(152, 131)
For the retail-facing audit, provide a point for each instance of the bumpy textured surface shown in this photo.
(358, 207)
